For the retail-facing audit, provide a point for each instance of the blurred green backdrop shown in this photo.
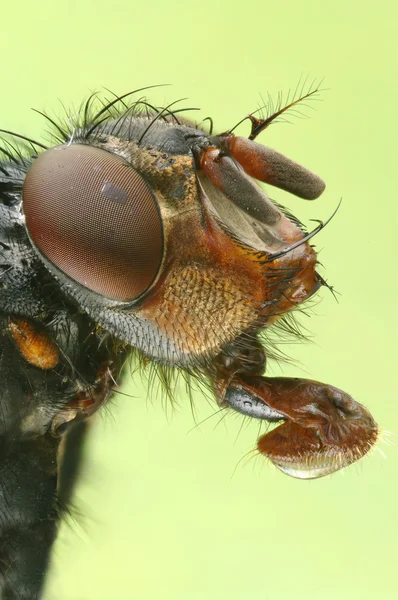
(165, 512)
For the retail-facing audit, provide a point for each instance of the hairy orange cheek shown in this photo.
(34, 345)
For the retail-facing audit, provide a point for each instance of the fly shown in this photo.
(141, 232)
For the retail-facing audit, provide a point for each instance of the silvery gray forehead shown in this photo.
(161, 135)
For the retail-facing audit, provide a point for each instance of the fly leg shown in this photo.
(70, 458)
(322, 429)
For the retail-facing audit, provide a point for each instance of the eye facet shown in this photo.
(95, 218)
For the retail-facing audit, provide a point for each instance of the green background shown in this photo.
(165, 512)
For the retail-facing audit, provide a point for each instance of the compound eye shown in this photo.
(93, 216)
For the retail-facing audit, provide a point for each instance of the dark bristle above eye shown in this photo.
(86, 124)
(62, 131)
(96, 119)
(24, 138)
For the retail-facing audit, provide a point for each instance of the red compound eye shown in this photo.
(95, 218)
